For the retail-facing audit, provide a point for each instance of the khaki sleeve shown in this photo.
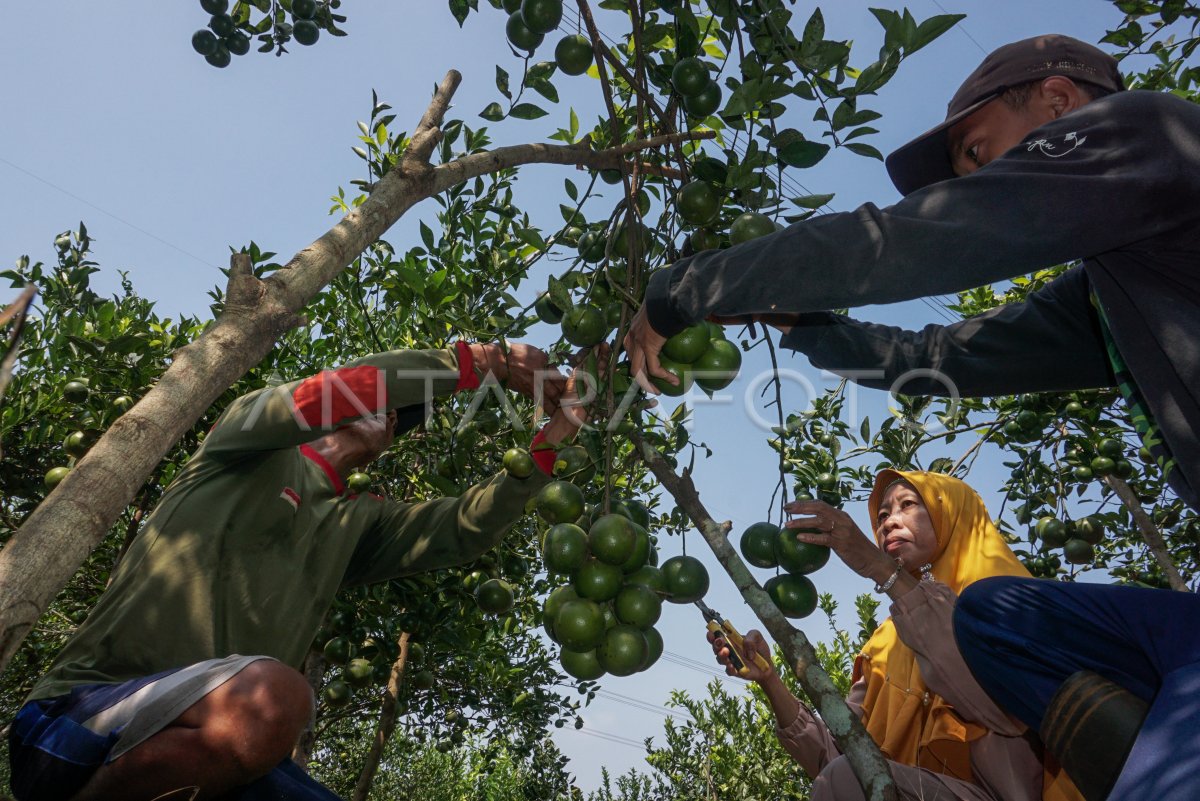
(409, 538)
(924, 621)
(807, 739)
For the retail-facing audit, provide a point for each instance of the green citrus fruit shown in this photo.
(306, 32)
(621, 243)
(794, 595)
(623, 651)
(76, 443)
(1082, 473)
(54, 475)
(519, 34)
(584, 325)
(338, 651)
(573, 54)
(1103, 465)
(422, 680)
(204, 41)
(633, 509)
(1124, 468)
(220, 57)
(610, 176)
(610, 615)
(122, 404)
(560, 502)
(494, 596)
(718, 365)
(648, 576)
(358, 482)
(799, 557)
(1110, 448)
(1079, 552)
(688, 345)
(690, 76)
(359, 673)
(715, 333)
(580, 625)
(704, 102)
(654, 647)
(215, 6)
(565, 549)
(704, 239)
(546, 311)
(678, 370)
(473, 579)
(758, 544)
(1089, 530)
(597, 581)
(686, 579)
(554, 602)
(640, 554)
(237, 43)
(638, 605)
(583, 665)
(222, 24)
(612, 314)
(75, 391)
(337, 693)
(572, 463)
(612, 539)
(697, 202)
(1051, 531)
(511, 6)
(541, 16)
(416, 653)
(518, 462)
(304, 9)
(750, 225)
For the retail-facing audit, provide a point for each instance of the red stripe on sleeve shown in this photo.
(543, 457)
(466, 367)
(332, 396)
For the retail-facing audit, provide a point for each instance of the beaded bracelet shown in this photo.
(887, 585)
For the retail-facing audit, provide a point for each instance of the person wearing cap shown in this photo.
(943, 736)
(1043, 158)
(183, 682)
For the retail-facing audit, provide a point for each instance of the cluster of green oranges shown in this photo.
(370, 664)
(699, 354)
(699, 205)
(1077, 538)
(692, 80)
(225, 37)
(769, 546)
(604, 616)
(76, 390)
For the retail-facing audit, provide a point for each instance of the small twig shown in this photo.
(1150, 532)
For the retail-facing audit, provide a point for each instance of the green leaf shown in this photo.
(502, 82)
(814, 32)
(812, 201)
(931, 29)
(864, 150)
(545, 89)
(857, 132)
(744, 99)
(559, 294)
(802, 154)
(493, 112)
(527, 111)
(427, 236)
(460, 9)
(530, 237)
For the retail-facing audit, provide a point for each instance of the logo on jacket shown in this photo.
(1048, 148)
(292, 497)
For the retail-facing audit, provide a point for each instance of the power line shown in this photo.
(614, 738)
(961, 27)
(643, 706)
(105, 212)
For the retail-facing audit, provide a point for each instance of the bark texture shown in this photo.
(57, 537)
(314, 673)
(1149, 531)
(388, 715)
(861, 751)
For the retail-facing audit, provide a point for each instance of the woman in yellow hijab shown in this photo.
(944, 738)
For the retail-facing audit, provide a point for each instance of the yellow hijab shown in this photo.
(911, 724)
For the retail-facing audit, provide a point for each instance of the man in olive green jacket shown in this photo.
(184, 677)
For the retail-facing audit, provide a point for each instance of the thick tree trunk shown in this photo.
(57, 537)
(387, 722)
(865, 758)
(314, 672)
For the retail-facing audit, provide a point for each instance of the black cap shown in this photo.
(925, 160)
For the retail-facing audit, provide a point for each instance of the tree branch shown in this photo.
(1150, 532)
(387, 722)
(865, 758)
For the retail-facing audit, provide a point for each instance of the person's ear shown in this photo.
(1060, 95)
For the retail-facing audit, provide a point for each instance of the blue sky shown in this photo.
(113, 120)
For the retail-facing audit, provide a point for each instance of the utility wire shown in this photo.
(961, 27)
(645, 706)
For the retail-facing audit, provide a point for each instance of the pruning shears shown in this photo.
(722, 627)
